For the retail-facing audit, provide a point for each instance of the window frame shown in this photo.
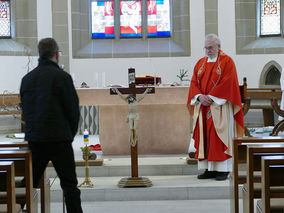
(10, 17)
(144, 22)
(281, 21)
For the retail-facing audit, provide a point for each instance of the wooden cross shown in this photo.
(133, 90)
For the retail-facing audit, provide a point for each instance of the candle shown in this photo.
(96, 79)
(86, 136)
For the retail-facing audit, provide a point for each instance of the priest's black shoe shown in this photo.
(222, 175)
(207, 175)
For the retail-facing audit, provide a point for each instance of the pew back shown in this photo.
(44, 183)
(23, 167)
(239, 154)
(7, 184)
(254, 153)
(272, 168)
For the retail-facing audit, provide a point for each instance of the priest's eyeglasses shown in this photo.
(60, 53)
(210, 48)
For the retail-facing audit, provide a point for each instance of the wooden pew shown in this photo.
(10, 105)
(11, 144)
(239, 156)
(264, 94)
(23, 167)
(7, 183)
(251, 189)
(272, 168)
(44, 184)
(280, 125)
(245, 102)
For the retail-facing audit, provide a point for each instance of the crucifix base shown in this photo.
(135, 182)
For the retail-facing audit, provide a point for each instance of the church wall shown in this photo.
(115, 69)
(249, 66)
(167, 67)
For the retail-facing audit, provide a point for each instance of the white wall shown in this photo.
(250, 66)
(13, 68)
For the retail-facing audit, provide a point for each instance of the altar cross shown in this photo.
(133, 90)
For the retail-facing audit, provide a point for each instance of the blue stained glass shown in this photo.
(125, 35)
(100, 3)
(160, 34)
(102, 19)
(158, 18)
(102, 35)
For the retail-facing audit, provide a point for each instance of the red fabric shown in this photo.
(221, 84)
(96, 147)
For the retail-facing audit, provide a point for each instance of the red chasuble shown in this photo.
(218, 79)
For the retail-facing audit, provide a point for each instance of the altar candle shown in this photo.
(96, 79)
(103, 79)
(86, 136)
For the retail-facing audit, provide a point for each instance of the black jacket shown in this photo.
(50, 104)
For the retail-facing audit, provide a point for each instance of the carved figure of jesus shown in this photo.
(133, 116)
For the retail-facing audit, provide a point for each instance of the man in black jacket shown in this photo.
(51, 112)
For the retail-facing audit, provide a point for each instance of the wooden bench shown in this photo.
(280, 125)
(265, 94)
(252, 187)
(10, 101)
(7, 184)
(239, 157)
(272, 168)
(44, 184)
(11, 144)
(23, 168)
(10, 105)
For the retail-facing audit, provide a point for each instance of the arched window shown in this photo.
(130, 18)
(271, 13)
(270, 75)
(5, 19)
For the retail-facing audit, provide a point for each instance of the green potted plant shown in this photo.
(183, 77)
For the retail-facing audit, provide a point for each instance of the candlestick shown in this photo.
(86, 152)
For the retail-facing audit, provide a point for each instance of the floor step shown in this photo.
(185, 187)
(148, 166)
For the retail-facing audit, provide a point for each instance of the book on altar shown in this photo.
(148, 80)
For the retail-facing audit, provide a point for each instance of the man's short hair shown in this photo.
(214, 37)
(47, 48)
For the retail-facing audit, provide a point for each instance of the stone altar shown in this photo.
(164, 125)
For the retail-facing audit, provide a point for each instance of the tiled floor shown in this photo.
(166, 206)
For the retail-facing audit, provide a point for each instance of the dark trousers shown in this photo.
(62, 157)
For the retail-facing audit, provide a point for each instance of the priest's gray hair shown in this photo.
(214, 37)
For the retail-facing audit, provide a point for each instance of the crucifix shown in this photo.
(132, 120)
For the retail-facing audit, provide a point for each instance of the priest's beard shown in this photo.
(212, 54)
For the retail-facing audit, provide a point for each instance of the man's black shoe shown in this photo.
(222, 175)
(207, 175)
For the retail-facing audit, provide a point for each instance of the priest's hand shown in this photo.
(205, 100)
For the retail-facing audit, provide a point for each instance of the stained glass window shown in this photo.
(102, 19)
(158, 18)
(270, 17)
(5, 22)
(130, 18)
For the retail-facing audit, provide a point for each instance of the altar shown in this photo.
(163, 128)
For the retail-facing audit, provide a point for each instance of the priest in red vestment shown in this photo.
(214, 102)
